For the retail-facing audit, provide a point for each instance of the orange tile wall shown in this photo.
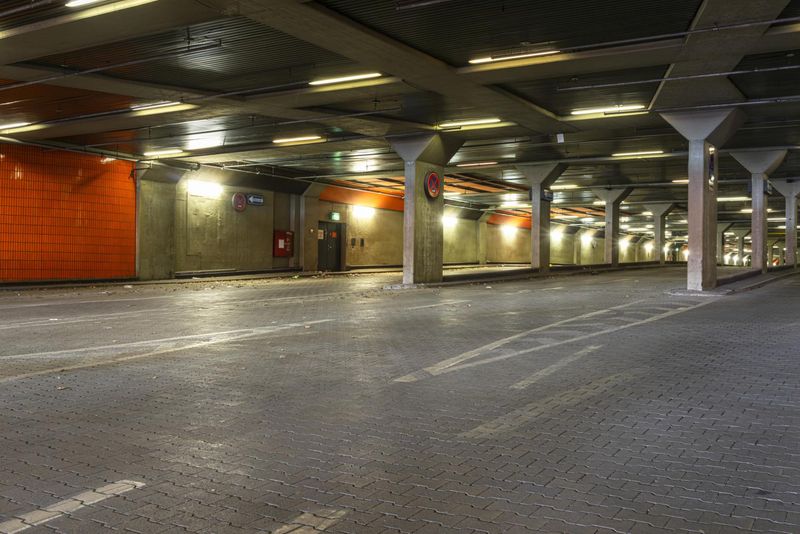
(65, 216)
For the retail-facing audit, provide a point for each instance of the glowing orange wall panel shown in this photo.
(361, 198)
(65, 216)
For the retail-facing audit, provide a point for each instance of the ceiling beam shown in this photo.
(718, 51)
(77, 31)
(327, 29)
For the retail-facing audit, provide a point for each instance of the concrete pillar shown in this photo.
(721, 229)
(660, 211)
(705, 130)
(540, 178)
(613, 198)
(760, 164)
(424, 158)
(740, 233)
(482, 236)
(307, 248)
(790, 190)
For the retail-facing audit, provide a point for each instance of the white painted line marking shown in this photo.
(216, 338)
(461, 362)
(530, 412)
(578, 338)
(550, 369)
(445, 303)
(309, 523)
(67, 506)
(210, 339)
(450, 362)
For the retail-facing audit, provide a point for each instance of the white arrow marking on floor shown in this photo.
(67, 506)
(550, 369)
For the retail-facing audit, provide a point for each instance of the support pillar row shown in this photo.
(660, 212)
(541, 177)
(423, 242)
(705, 130)
(613, 199)
(760, 164)
(790, 190)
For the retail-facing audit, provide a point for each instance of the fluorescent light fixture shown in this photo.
(205, 189)
(14, 125)
(79, 3)
(750, 210)
(477, 164)
(563, 187)
(599, 203)
(776, 219)
(647, 213)
(155, 108)
(299, 139)
(469, 122)
(565, 216)
(154, 105)
(344, 79)
(637, 154)
(609, 109)
(202, 143)
(492, 59)
(733, 199)
(681, 181)
(587, 220)
(164, 152)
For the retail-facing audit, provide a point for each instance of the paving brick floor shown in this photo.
(583, 404)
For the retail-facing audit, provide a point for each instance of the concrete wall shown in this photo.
(508, 244)
(180, 231)
(460, 241)
(211, 235)
(156, 220)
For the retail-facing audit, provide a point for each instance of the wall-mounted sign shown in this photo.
(335, 216)
(547, 195)
(433, 185)
(255, 200)
(239, 202)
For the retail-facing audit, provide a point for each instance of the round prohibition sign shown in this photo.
(433, 185)
(239, 202)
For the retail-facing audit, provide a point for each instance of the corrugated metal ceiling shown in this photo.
(250, 55)
(456, 31)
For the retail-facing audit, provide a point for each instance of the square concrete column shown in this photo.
(540, 178)
(721, 229)
(481, 237)
(613, 198)
(790, 190)
(424, 159)
(704, 130)
(760, 164)
(740, 235)
(660, 211)
(306, 246)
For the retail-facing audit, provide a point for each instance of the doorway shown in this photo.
(330, 246)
